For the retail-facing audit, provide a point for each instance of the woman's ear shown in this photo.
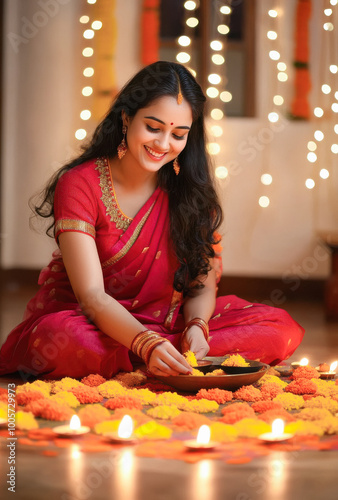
(125, 118)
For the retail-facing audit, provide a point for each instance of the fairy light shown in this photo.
(216, 130)
(223, 29)
(266, 179)
(324, 173)
(281, 66)
(334, 107)
(334, 148)
(88, 72)
(278, 100)
(91, 1)
(282, 77)
(80, 134)
(225, 96)
(87, 91)
(96, 25)
(216, 114)
(328, 12)
(221, 172)
(326, 89)
(192, 22)
(310, 183)
(273, 13)
(88, 52)
(312, 146)
(84, 19)
(184, 41)
(333, 68)
(216, 45)
(264, 201)
(214, 78)
(225, 9)
(190, 5)
(217, 59)
(88, 34)
(335, 128)
(328, 26)
(312, 157)
(213, 148)
(273, 117)
(318, 112)
(85, 114)
(318, 135)
(212, 92)
(183, 57)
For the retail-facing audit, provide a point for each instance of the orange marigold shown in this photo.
(270, 390)
(263, 406)
(248, 393)
(135, 414)
(219, 395)
(301, 386)
(93, 380)
(23, 398)
(271, 415)
(123, 402)
(235, 412)
(86, 394)
(305, 372)
(189, 420)
(50, 410)
(91, 415)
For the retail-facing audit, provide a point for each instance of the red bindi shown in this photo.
(171, 124)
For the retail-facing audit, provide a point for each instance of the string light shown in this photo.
(264, 201)
(85, 114)
(88, 72)
(192, 22)
(310, 183)
(96, 25)
(84, 19)
(88, 52)
(266, 179)
(189, 5)
(221, 172)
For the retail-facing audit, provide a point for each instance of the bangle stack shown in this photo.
(198, 322)
(145, 342)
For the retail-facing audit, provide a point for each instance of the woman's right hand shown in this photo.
(166, 360)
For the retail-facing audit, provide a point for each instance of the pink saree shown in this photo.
(56, 339)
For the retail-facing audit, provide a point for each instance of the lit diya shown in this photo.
(202, 442)
(74, 429)
(277, 433)
(327, 372)
(124, 434)
(302, 362)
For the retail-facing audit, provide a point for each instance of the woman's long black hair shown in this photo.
(195, 212)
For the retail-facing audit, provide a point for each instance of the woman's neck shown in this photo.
(131, 177)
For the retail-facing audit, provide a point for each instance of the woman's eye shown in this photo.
(151, 129)
(179, 137)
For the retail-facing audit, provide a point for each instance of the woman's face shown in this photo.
(157, 133)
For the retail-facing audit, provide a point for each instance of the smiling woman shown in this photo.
(134, 279)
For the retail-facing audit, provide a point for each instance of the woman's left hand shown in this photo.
(194, 341)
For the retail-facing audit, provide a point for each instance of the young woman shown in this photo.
(135, 218)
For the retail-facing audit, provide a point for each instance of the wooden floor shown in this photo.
(122, 475)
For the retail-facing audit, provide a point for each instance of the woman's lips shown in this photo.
(154, 155)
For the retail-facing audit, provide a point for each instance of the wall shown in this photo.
(41, 110)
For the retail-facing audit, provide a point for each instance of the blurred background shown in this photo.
(269, 68)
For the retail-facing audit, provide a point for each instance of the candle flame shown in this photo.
(304, 362)
(126, 426)
(277, 427)
(75, 423)
(333, 366)
(203, 436)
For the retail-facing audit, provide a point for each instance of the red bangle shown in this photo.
(198, 322)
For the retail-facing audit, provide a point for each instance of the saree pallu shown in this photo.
(57, 339)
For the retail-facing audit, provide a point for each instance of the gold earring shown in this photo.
(122, 148)
(176, 166)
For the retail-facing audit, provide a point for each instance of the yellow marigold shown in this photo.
(25, 421)
(144, 396)
(65, 397)
(325, 388)
(66, 384)
(200, 406)
(215, 373)
(191, 358)
(313, 414)
(322, 402)
(222, 432)
(3, 412)
(251, 427)
(131, 379)
(170, 398)
(289, 401)
(196, 373)
(164, 412)
(111, 388)
(153, 430)
(304, 428)
(331, 424)
(235, 360)
(41, 387)
(271, 378)
(107, 426)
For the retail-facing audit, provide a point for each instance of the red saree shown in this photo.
(56, 339)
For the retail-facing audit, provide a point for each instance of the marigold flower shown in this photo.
(110, 389)
(65, 397)
(305, 372)
(271, 415)
(138, 416)
(235, 412)
(50, 410)
(215, 373)
(170, 398)
(25, 397)
(123, 402)
(313, 414)
(201, 406)
(86, 394)
(251, 427)
(196, 373)
(263, 406)
(144, 396)
(304, 428)
(222, 433)
(248, 393)
(325, 388)
(93, 380)
(189, 420)
(25, 421)
(190, 358)
(270, 390)
(106, 426)
(38, 385)
(131, 379)
(65, 384)
(92, 414)
(153, 430)
(164, 412)
(322, 402)
(301, 386)
(219, 395)
(235, 360)
(271, 378)
(289, 401)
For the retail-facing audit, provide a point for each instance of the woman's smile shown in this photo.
(154, 154)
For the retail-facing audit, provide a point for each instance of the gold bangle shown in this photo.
(138, 339)
(151, 349)
(146, 343)
(198, 322)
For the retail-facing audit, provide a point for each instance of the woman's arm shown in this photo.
(201, 305)
(84, 270)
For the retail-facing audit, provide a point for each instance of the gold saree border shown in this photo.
(108, 196)
(121, 253)
(175, 302)
(75, 225)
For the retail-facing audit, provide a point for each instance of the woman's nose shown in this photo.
(162, 142)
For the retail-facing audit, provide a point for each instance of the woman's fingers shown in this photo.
(168, 361)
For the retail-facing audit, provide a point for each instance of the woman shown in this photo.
(134, 277)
